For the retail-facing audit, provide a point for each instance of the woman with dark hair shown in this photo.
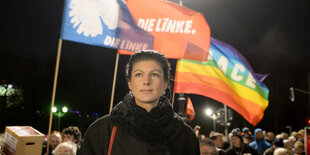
(144, 122)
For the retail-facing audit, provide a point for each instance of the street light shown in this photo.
(209, 112)
(64, 109)
(54, 109)
(59, 113)
(212, 115)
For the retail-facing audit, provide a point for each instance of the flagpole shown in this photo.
(172, 100)
(225, 121)
(54, 92)
(114, 81)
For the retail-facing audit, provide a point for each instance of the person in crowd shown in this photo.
(278, 143)
(247, 138)
(54, 140)
(289, 146)
(284, 135)
(292, 139)
(197, 130)
(1, 143)
(144, 122)
(66, 148)
(259, 143)
(226, 144)
(217, 138)
(238, 147)
(246, 131)
(270, 137)
(201, 136)
(299, 148)
(71, 133)
(247, 135)
(207, 147)
(300, 135)
(278, 136)
(280, 151)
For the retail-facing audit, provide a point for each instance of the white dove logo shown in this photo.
(87, 15)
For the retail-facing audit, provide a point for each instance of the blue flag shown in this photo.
(106, 23)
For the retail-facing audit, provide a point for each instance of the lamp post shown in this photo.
(59, 114)
(212, 115)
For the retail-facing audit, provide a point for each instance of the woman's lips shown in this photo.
(146, 90)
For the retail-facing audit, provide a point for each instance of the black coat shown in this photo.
(246, 149)
(139, 132)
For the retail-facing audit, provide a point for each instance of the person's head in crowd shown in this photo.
(284, 135)
(270, 137)
(294, 133)
(236, 139)
(217, 139)
(264, 133)
(55, 139)
(259, 134)
(197, 130)
(65, 148)
(246, 131)
(148, 76)
(201, 136)
(207, 147)
(287, 144)
(247, 138)
(300, 135)
(280, 151)
(211, 133)
(72, 133)
(292, 139)
(278, 142)
(299, 147)
(278, 136)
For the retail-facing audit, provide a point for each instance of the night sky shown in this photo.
(272, 35)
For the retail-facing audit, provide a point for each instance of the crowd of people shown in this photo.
(145, 123)
(238, 142)
(259, 142)
(67, 142)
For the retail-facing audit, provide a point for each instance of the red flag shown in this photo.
(190, 111)
(307, 141)
(178, 32)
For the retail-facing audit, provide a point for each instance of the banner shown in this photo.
(178, 32)
(103, 23)
(226, 77)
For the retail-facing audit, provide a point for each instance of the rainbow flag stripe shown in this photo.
(226, 77)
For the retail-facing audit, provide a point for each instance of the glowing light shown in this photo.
(54, 109)
(64, 109)
(208, 112)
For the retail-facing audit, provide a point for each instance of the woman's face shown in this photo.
(147, 82)
(236, 142)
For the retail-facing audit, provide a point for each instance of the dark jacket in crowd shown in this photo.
(245, 149)
(158, 132)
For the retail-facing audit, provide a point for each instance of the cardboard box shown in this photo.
(22, 140)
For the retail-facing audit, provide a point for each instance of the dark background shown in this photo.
(272, 35)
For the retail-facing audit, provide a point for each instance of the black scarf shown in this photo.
(159, 126)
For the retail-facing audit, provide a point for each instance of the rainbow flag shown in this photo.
(226, 77)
